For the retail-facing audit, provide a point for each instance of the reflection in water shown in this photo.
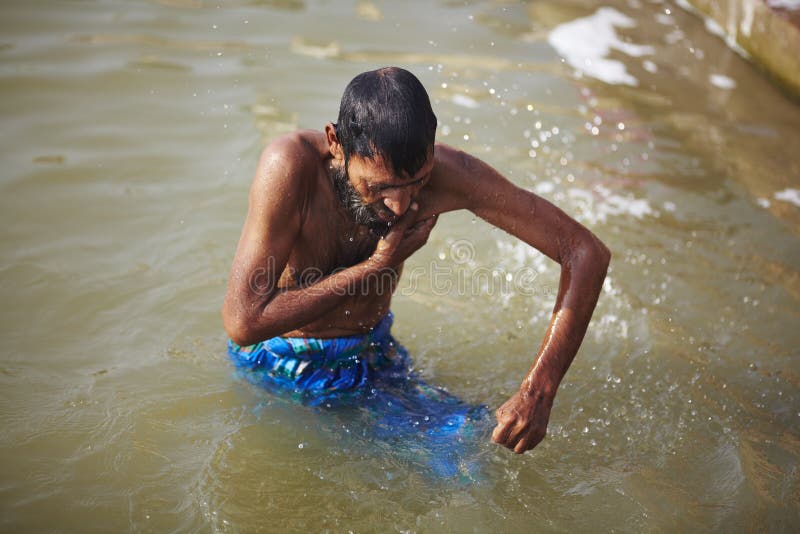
(130, 139)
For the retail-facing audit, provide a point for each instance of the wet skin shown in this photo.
(305, 267)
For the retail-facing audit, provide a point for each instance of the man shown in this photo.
(332, 217)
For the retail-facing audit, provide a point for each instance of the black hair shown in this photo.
(387, 112)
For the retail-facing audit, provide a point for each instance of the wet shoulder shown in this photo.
(446, 190)
(289, 168)
(298, 153)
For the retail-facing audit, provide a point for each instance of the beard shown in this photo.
(361, 212)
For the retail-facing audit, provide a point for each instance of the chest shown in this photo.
(329, 243)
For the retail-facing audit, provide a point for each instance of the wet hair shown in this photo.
(387, 112)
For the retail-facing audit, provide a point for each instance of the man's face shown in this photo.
(374, 194)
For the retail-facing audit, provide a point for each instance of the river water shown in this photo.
(131, 130)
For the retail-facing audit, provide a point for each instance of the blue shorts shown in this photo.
(317, 370)
(369, 371)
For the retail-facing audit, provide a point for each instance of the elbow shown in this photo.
(601, 259)
(244, 329)
(238, 328)
(241, 338)
(237, 331)
(595, 256)
(603, 256)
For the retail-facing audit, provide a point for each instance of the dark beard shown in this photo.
(352, 202)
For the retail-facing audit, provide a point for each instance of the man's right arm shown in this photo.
(255, 309)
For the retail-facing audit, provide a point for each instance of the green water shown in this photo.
(130, 132)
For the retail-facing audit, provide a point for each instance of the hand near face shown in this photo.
(404, 238)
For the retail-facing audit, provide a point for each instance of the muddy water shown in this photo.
(130, 133)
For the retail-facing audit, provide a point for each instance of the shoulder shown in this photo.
(453, 178)
(455, 168)
(448, 158)
(290, 163)
(298, 151)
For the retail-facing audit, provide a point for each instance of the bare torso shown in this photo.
(330, 240)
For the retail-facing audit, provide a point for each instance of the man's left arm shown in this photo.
(522, 420)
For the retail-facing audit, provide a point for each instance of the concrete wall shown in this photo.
(770, 35)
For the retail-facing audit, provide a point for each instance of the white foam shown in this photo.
(596, 206)
(649, 66)
(714, 28)
(543, 188)
(746, 24)
(785, 4)
(789, 195)
(584, 43)
(464, 101)
(722, 81)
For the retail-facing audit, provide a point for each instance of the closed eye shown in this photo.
(379, 188)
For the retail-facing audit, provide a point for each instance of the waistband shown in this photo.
(311, 348)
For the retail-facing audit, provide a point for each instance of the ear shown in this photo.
(334, 145)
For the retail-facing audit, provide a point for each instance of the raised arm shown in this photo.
(522, 420)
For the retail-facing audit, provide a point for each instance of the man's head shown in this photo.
(384, 140)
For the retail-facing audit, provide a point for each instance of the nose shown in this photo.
(398, 201)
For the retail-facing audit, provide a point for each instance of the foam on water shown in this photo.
(789, 195)
(586, 42)
(597, 205)
(784, 4)
(722, 81)
(464, 101)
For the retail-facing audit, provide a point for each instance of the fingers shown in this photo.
(409, 217)
(423, 226)
(522, 445)
(402, 225)
(517, 438)
(519, 442)
(509, 437)
(501, 433)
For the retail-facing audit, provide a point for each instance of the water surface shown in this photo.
(131, 130)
